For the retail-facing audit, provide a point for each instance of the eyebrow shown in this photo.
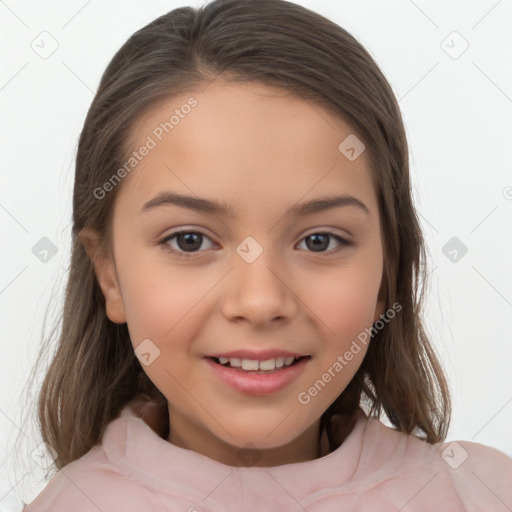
(223, 209)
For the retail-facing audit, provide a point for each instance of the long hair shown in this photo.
(94, 371)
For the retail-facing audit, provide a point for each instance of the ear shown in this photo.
(105, 273)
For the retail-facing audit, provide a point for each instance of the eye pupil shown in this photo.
(320, 242)
(192, 240)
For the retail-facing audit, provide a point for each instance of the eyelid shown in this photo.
(329, 231)
(344, 241)
(162, 241)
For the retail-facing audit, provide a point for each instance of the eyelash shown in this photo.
(163, 242)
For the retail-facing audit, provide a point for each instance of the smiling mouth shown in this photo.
(238, 367)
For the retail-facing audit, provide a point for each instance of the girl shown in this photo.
(243, 305)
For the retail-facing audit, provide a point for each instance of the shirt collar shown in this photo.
(132, 444)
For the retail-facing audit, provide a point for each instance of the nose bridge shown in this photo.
(257, 287)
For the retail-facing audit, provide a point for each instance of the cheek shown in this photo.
(165, 303)
(161, 306)
(160, 300)
(345, 299)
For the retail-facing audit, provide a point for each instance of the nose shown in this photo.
(259, 292)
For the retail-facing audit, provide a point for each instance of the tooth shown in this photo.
(269, 364)
(255, 365)
(249, 364)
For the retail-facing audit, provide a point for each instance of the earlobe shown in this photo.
(106, 275)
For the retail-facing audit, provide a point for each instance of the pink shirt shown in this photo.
(375, 469)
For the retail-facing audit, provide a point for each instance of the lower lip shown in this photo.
(258, 384)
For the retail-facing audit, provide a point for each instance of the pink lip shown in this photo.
(258, 355)
(254, 383)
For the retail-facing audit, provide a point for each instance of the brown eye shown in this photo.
(186, 244)
(319, 242)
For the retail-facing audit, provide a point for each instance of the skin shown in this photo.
(262, 151)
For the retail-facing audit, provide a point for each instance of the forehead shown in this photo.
(244, 142)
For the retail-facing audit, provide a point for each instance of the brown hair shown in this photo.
(94, 371)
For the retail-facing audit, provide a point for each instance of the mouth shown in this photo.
(246, 376)
(258, 367)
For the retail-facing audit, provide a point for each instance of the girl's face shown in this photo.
(264, 276)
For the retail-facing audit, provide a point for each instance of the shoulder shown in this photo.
(89, 484)
(482, 475)
(457, 475)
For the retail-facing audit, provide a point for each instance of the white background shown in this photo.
(458, 116)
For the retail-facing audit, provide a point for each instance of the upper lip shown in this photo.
(257, 355)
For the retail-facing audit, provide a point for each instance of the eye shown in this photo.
(320, 241)
(189, 242)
